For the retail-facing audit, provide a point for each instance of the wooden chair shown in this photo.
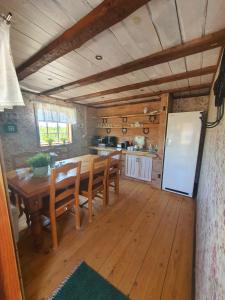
(64, 195)
(113, 178)
(97, 183)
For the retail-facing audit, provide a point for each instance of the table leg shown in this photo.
(36, 229)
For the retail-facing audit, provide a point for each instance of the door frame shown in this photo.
(10, 284)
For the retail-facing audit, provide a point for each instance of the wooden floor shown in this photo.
(142, 243)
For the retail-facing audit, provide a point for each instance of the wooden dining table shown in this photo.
(34, 190)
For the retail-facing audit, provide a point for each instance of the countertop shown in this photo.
(124, 151)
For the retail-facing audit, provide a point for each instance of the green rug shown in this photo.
(86, 284)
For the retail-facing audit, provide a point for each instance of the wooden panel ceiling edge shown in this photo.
(106, 14)
(207, 42)
(148, 95)
(157, 81)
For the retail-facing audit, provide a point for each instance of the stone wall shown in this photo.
(210, 230)
(191, 104)
(26, 139)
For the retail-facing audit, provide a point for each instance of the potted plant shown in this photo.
(49, 141)
(64, 140)
(39, 164)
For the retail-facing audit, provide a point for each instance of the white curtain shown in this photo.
(10, 93)
(46, 112)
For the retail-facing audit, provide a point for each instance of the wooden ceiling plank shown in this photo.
(208, 42)
(147, 95)
(166, 21)
(215, 16)
(164, 17)
(195, 80)
(207, 78)
(175, 77)
(210, 57)
(26, 10)
(137, 34)
(64, 15)
(194, 61)
(192, 25)
(108, 13)
(192, 18)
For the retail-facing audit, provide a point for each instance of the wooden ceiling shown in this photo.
(147, 48)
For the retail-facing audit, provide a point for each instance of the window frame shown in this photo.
(59, 143)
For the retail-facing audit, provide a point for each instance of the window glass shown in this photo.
(52, 133)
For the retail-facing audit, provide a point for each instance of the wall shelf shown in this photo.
(127, 123)
(146, 125)
(153, 113)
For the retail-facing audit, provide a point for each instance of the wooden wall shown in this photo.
(156, 133)
(151, 137)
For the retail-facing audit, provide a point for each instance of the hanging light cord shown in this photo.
(219, 92)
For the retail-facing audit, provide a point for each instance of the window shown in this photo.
(54, 123)
(54, 133)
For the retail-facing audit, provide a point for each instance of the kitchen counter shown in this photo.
(124, 151)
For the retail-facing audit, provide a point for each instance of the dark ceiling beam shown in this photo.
(129, 98)
(157, 81)
(148, 95)
(108, 13)
(207, 42)
(130, 103)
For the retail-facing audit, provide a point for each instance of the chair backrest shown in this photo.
(115, 162)
(98, 173)
(64, 183)
(20, 160)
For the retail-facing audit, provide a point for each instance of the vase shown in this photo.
(40, 171)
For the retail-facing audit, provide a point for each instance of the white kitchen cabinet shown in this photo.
(139, 167)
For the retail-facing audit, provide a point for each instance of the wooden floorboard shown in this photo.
(179, 272)
(131, 260)
(149, 281)
(142, 243)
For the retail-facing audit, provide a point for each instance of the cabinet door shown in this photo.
(130, 167)
(138, 167)
(144, 168)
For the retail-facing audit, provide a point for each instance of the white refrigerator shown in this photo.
(181, 152)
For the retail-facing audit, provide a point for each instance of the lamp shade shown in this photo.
(10, 93)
